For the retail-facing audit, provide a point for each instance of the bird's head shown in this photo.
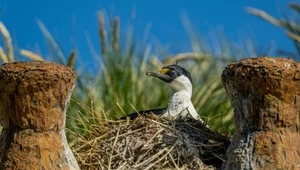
(176, 76)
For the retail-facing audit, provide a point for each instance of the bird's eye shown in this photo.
(173, 73)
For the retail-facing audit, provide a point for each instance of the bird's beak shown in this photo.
(161, 75)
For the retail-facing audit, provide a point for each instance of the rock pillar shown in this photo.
(265, 94)
(33, 100)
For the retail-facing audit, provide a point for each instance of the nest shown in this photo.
(151, 143)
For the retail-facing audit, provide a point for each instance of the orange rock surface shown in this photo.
(34, 97)
(265, 94)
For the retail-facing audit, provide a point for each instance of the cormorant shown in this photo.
(180, 104)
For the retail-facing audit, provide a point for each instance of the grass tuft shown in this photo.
(118, 86)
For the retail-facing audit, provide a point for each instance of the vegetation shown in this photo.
(290, 23)
(119, 86)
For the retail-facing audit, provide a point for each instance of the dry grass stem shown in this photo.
(8, 42)
(295, 7)
(262, 14)
(52, 43)
(293, 36)
(187, 56)
(31, 55)
(3, 56)
(102, 32)
(116, 30)
(71, 61)
(113, 146)
(2, 11)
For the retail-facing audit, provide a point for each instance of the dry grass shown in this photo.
(262, 14)
(31, 55)
(3, 56)
(116, 30)
(8, 43)
(145, 143)
(288, 21)
(151, 143)
(102, 32)
(71, 60)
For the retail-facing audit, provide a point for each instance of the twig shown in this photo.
(128, 133)
(173, 161)
(142, 156)
(151, 165)
(158, 132)
(150, 159)
(90, 142)
(110, 156)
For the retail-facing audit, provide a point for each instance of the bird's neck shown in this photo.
(183, 86)
(187, 93)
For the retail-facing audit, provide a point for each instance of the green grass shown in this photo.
(121, 81)
(119, 84)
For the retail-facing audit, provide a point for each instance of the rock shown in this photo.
(265, 94)
(34, 97)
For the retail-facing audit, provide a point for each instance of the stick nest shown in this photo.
(151, 143)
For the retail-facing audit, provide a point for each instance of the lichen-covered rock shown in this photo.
(265, 94)
(34, 97)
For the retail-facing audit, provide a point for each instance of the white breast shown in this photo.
(180, 104)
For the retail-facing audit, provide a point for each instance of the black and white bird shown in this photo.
(180, 104)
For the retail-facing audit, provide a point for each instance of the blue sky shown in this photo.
(208, 17)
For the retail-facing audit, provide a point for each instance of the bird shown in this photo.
(181, 84)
